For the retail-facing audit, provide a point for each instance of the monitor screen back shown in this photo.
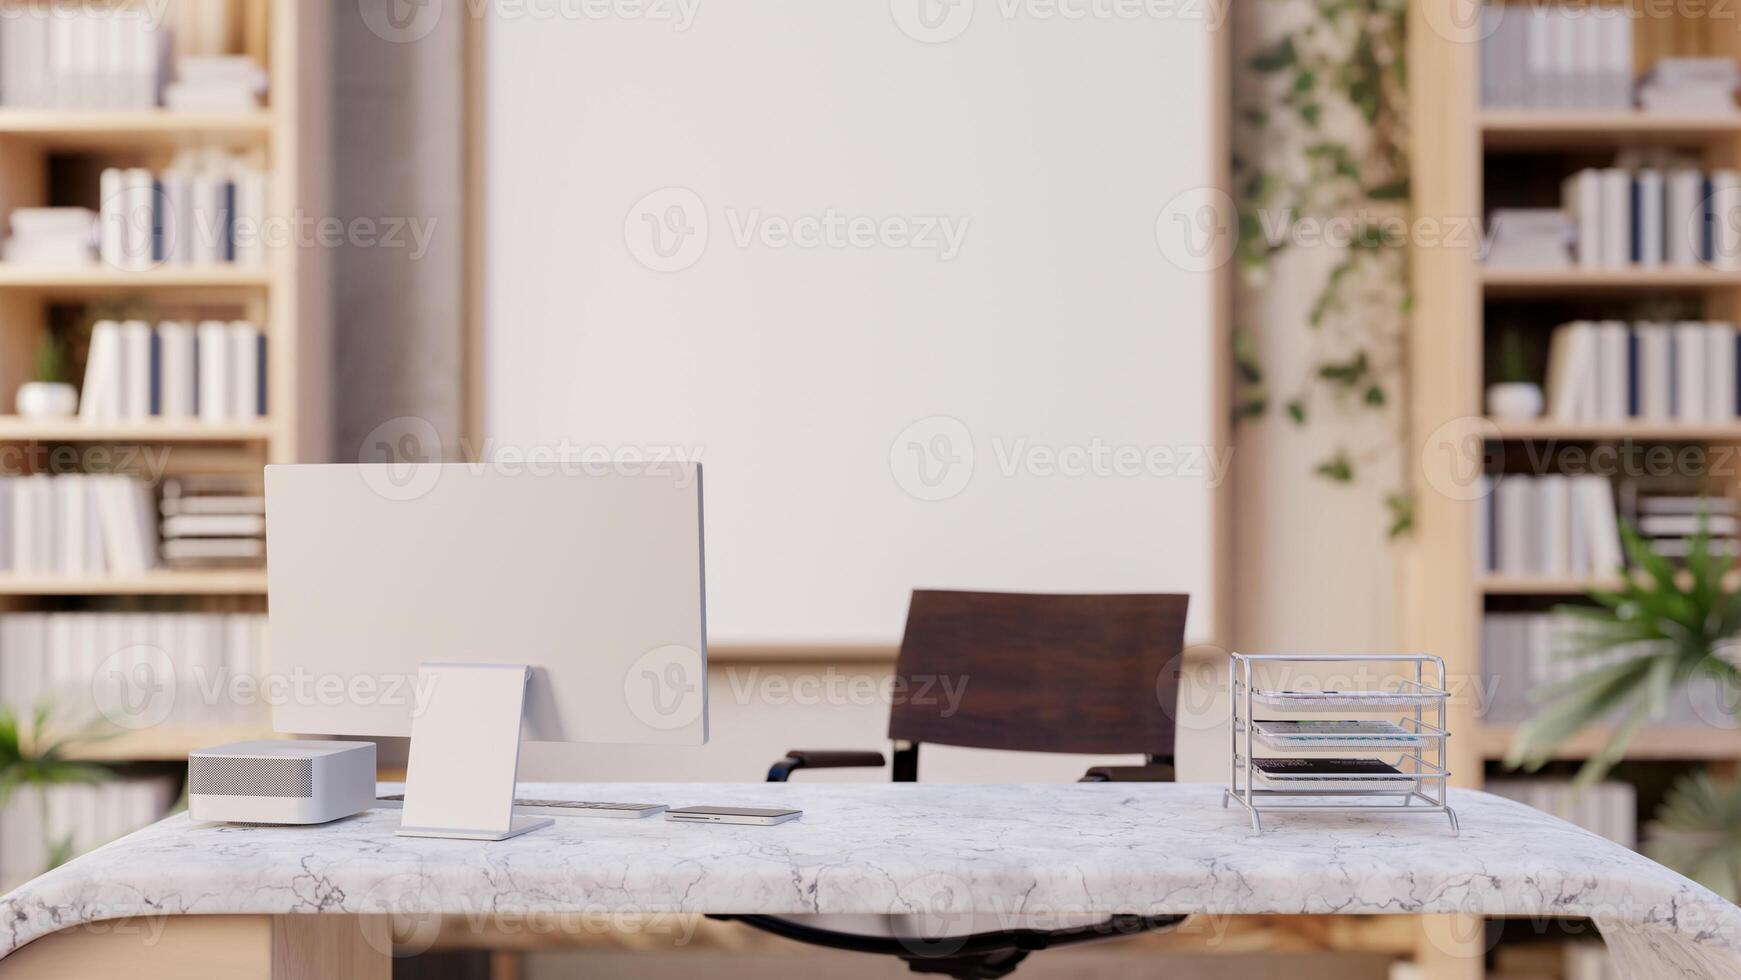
(592, 575)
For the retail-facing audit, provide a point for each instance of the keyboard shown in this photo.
(560, 808)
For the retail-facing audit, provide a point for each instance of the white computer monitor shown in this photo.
(590, 574)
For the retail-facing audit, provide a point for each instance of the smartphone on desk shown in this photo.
(754, 816)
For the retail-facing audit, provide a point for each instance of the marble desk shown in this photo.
(292, 902)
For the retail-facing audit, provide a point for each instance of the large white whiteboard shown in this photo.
(912, 302)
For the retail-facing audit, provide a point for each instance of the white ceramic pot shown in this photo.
(47, 400)
(1514, 400)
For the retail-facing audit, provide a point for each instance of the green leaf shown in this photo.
(1396, 190)
(1275, 57)
(1346, 373)
(1338, 469)
(1297, 412)
(1374, 395)
(1402, 514)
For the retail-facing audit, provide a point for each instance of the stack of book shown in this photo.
(203, 669)
(1553, 525)
(86, 55)
(1556, 55)
(1610, 370)
(215, 372)
(1524, 652)
(1529, 238)
(202, 211)
(76, 524)
(90, 815)
(211, 521)
(216, 83)
(52, 236)
(1667, 520)
(1690, 85)
(1607, 809)
(1651, 217)
(1549, 959)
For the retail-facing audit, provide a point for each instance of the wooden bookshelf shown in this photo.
(1521, 129)
(15, 429)
(1576, 281)
(134, 129)
(228, 582)
(1455, 152)
(51, 157)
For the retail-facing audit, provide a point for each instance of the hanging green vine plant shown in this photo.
(1326, 125)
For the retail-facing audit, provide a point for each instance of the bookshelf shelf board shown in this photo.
(15, 429)
(78, 281)
(99, 129)
(1683, 742)
(1541, 585)
(1549, 282)
(1633, 429)
(1528, 129)
(227, 581)
(165, 744)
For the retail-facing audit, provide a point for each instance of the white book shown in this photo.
(211, 218)
(112, 236)
(1647, 218)
(1616, 220)
(1655, 372)
(139, 196)
(1683, 218)
(6, 536)
(1577, 534)
(1720, 394)
(250, 217)
(178, 225)
(1603, 525)
(178, 549)
(209, 97)
(177, 365)
(1613, 361)
(1553, 502)
(216, 388)
(213, 525)
(100, 400)
(1572, 372)
(23, 526)
(1565, 25)
(1691, 399)
(1512, 521)
(1581, 196)
(1617, 56)
(71, 511)
(1726, 220)
(245, 370)
(1539, 41)
(136, 371)
(121, 538)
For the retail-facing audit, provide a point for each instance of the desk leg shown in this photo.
(211, 947)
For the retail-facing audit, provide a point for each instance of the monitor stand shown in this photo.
(465, 753)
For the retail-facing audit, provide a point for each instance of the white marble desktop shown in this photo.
(1003, 851)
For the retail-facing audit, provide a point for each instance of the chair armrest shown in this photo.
(1155, 772)
(822, 759)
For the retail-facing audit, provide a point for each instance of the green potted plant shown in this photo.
(1662, 627)
(1698, 833)
(50, 395)
(33, 757)
(1514, 395)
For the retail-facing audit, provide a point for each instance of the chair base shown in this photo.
(982, 956)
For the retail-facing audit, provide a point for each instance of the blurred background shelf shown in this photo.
(215, 582)
(1536, 129)
(164, 744)
(100, 129)
(1657, 744)
(15, 429)
(1575, 280)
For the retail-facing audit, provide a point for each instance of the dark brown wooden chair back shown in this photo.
(1092, 674)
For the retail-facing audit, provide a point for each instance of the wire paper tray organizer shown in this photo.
(1396, 711)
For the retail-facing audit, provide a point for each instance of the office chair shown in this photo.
(1089, 674)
